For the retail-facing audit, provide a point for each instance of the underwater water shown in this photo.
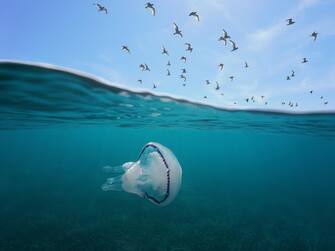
(251, 180)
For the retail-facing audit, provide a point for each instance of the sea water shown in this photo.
(251, 180)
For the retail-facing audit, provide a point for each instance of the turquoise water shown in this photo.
(251, 180)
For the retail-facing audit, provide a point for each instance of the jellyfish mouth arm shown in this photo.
(117, 170)
(114, 184)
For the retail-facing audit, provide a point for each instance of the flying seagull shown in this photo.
(195, 14)
(151, 7)
(231, 78)
(101, 8)
(189, 47)
(234, 45)
(290, 21)
(154, 86)
(168, 64)
(207, 82)
(164, 51)
(183, 58)
(311, 91)
(246, 65)
(293, 74)
(221, 66)
(304, 60)
(182, 76)
(140, 81)
(176, 30)
(314, 35)
(183, 71)
(168, 72)
(142, 66)
(288, 78)
(125, 48)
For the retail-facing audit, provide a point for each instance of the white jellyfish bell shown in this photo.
(155, 176)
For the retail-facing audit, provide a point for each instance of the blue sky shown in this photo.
(73, 34)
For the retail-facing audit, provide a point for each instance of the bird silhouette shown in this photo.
(177, 31)
(101, 8)
(195, 14)
(125, 48)
(151, 7)
(314, 35)
(142, 66)
(164, 51)
(189, 47)
(182, 76)
(290, 21)
(234, 45)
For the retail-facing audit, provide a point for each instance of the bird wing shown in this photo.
(153, 11)
(233, 43)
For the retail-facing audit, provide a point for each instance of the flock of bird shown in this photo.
(225, 38)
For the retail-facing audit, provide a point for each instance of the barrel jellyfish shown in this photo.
(155, 176)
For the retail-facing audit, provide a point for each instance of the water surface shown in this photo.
(251, 180)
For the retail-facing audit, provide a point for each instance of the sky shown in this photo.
(74, 34)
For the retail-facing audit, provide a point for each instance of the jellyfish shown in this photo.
(155, 176)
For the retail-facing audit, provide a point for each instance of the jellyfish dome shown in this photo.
(155, 176)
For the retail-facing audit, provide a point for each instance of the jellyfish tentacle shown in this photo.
(114, 184)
